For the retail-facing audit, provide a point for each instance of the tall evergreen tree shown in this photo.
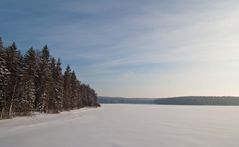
(4, 76)
(13, 66)
(67, 88)
(45, 81)
(38, 82)
(52, 96)
(3, 79)
(83, 90)
(74, 90)
(56, 95)
(59, 89)
(28, 92)
(79, 103)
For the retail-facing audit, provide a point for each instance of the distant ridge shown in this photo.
(185, 100)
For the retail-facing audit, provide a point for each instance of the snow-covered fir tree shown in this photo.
(28, 92)
(67, 88)
(74, 90)
(4, 74)
(13, 65)
(45, 81)
(58, 80)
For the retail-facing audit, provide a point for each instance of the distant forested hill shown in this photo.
(121, 100)
(187, 100)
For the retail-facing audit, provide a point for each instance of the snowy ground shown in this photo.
(126, 126)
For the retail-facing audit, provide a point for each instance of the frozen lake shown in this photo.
(126, 126)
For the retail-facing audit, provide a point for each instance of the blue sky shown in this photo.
(134, 48)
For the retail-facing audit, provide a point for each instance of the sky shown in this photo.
(134, 48)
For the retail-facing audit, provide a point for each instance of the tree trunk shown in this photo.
(10, 109)
(2, 113)
(11, 103)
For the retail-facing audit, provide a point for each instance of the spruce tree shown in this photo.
(52, 94)
(67, 88)
(13, 66)
(38, 82)
(4, 73)
(56, 99)
(79, 103)
(28, 92)
(45, 81)
(4, 76)
(73, 98)
(59, 89)
(83, 89)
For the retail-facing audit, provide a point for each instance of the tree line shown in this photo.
(183, 100)
(35, 82)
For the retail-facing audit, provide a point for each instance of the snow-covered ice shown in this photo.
(126, 126)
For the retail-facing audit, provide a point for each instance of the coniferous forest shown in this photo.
(35, 82)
